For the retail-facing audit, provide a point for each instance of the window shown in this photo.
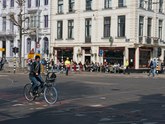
(107, 4)
(28, 45)
(4, 3)
(149, 27)
(3, 23)
(141, 23)
(29, 3)
(160, 6)
(37, 3)
(11, 26)
(88, 4)
(60, 6)
(59, 29)
(149, 4)
(160, 28)
(71, 5)
(107, 26)
(46, 2)
(121, 26)
(46, 21)
(33, 20)
(46, 45)
(141, 4)
(88, 26)
(121, 3)
(70, 29)
(11, 48)
(11, 3)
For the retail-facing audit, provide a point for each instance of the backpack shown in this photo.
(151, 64)
(34, 66)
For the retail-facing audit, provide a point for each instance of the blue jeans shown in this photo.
(67, 70)
(152, 70)
(36, 81)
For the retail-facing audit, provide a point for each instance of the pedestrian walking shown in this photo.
(152, 66)
(126, 66)
(67, 65)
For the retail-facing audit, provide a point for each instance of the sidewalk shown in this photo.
(98, 74)
(11, 70)
(113, 75)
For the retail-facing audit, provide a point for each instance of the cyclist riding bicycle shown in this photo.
(34, 74)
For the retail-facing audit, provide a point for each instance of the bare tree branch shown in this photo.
(18, 20)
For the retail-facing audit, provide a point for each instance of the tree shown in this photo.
(18, 20)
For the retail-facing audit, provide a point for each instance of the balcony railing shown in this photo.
(87, 39)
(7, 33)
(148, 40)
(140, 39)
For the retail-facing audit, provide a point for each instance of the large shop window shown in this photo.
(113, 56)
(62, 54)
(145, 55)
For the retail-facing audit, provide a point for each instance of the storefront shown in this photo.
(63, 53)
(144, 57)
(113, 55)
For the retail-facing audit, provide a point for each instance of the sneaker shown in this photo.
(35, 93)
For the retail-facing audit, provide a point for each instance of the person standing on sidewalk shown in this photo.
(152, 66)
(126, 66)
(67, 65)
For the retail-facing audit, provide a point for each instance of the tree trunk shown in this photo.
(20, 47)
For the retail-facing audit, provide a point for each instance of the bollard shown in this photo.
(14, 64)
(47, 66)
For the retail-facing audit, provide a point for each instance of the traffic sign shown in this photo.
(101, 52)
(15, 50)
(30, 56)
(38, 45)
(2, 49)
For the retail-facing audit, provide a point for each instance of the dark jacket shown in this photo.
(35, 68)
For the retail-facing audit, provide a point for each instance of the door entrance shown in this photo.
(132, 57)
(87, 59)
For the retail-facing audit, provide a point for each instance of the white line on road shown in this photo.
(98, 83)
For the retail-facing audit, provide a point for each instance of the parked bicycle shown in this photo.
(47, 89)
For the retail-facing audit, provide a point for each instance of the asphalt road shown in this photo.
(88, 98)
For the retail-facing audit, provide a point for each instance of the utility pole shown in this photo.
(37, 28)
(23, 64)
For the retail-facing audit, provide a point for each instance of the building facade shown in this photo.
(36, 28)
(111, 30)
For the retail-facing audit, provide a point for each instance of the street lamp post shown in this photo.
(37, 28)
(47, 64)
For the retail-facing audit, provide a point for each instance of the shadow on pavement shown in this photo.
(149, 109)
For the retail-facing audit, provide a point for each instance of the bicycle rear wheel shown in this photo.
(28, 92)
(50, 95)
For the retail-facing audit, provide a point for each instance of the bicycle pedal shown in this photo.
(37, 95)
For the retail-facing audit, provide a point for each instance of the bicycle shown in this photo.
(47, 89)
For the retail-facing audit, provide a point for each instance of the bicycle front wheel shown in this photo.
(50, 95)
(28, 92)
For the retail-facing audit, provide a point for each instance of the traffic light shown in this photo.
(15, 50)
(159, 52)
